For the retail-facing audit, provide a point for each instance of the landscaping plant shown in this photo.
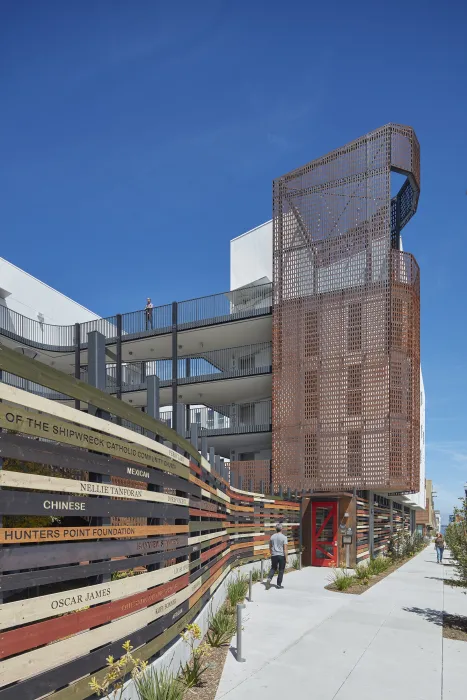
(191, 673)
(256, 575)
(237, 589)
(378, 565)
(158, 685)
(456, 541)
(341, 579)
(222, 627)
(114, 680)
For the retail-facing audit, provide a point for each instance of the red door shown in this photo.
(324, 535)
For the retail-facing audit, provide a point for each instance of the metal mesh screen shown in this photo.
(346, 341)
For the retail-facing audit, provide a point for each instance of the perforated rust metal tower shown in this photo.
(346, 320)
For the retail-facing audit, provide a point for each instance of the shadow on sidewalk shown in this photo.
(434, 616)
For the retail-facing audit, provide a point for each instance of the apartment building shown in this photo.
(305, 374)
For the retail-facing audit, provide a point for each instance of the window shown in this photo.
(395, 454)
(311, 394)
(198, 417)
(246, 414)
(399, 321)
(354, 454)
(210, 421)
(311, 456)
(354, 330)
(221, 420)
(311, 334)
(354, 390)
(395, 391)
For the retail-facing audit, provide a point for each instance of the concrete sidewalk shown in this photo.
(307, 642)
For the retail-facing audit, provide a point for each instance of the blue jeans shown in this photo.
(439, 553)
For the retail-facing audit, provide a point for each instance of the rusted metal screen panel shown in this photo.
(333, 317)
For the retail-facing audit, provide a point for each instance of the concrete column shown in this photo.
(153, 396)
(175, 424)
(212, 459)
(96, 366)
(217, 462)
(180, 419)
(204, 446)
(371, 534)
(222, 467)
(194, 435)
(97, 378)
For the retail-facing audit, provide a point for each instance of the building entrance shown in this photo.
(324, 533)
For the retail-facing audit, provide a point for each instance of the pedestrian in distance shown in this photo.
(439, 546)
(149, 307)
(279, 556)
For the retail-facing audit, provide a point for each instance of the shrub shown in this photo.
(378, 565)
(362, 574)
(158, 685)
(296, 563)
(222, 627)
(237, 589)
(114, 680)
(456, 541)
(192, 672)
(256, 575)
(341, 579)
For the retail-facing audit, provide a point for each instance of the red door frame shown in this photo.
(328, 559)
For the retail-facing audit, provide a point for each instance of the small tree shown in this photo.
(456, 540)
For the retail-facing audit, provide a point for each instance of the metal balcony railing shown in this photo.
(217, 308)
(229, 419)
(32, 387)
(242, 361)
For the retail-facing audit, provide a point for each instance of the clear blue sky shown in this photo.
(137, 139)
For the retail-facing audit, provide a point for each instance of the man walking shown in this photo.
(279, 556)
(439, 544)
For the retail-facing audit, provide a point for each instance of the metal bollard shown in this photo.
(262, 569)
(250, 586)
(240, 607)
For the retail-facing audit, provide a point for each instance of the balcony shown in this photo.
(238, 304)
(230, 419)
(215, 365)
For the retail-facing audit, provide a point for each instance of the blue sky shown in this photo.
(137, 139)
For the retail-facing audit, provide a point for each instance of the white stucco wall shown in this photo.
(419, 499)
(23, 293)
(251, 256)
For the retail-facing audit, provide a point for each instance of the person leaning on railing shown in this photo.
(149, 307)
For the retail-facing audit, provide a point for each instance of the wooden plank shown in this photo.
(21, 612)
(164, 631)
(12, 582)
(50, 428)
(49, 504)
(23, 480)
(194, 512)
(58, 410)
(14, 558)
(40, 633)
(39, 660)
(40, 373)
(151, 636)
(26, 535)
(26, 449)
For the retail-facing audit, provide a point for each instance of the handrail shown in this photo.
(246, 302)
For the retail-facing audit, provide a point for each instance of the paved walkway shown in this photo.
(307, 642)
